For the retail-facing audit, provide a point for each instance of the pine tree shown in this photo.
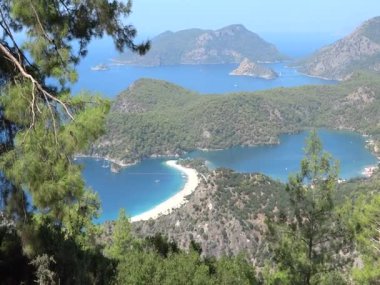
(364, 218)
(310, 243)
(122, 240)
(43, 127)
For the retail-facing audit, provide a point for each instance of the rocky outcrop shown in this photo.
(224, 215)
(249, 68)
(363, 95)
(358, 51)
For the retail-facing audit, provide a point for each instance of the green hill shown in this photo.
(226, 214)
(230, 44)
(155, 117)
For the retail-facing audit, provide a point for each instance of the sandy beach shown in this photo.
(175, 201)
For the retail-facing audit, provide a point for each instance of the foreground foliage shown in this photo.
(157, 261)
(47, 234)
(311, 245)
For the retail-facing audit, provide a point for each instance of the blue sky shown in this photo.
(297, 27)
(330, 17)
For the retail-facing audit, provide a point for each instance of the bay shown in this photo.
(278, 161)
(142, 186)
(137, 188)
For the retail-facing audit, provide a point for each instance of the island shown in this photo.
(249, 68)
(230, 44)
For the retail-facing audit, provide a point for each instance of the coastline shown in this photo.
(174, 201)
(119, 163)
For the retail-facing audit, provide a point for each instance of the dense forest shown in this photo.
(155, 117)
(47, 233)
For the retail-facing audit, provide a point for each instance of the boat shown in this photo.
(105, 164)
(100, 67)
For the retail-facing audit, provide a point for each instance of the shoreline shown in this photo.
(175, 201)
(119, 163)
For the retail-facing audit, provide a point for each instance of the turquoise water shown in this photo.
(137, 188)
(141, 187)
(278, 161)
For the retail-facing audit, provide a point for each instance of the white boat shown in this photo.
(100, 67)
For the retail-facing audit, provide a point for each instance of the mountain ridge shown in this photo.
(359, 50)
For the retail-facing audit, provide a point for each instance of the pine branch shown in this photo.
(34, 82)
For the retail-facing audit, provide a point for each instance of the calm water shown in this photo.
(279, 161)
(137, 188)
(201, 78)
(142, 186)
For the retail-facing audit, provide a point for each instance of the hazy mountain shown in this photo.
(358, 51)
(230, 44)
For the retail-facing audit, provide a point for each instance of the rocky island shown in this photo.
(249, 68)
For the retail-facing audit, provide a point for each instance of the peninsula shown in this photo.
(155, 117)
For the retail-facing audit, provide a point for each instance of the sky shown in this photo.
(331, 17)
(296, 27)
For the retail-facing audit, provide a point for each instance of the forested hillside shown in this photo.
(302, 232)
(158, 118)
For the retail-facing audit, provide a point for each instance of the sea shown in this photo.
(140, 187)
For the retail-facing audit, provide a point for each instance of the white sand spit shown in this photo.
(176, 200)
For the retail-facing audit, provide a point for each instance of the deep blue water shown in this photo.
(140, 187)
(202, 78)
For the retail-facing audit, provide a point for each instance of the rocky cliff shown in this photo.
(358, 51)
